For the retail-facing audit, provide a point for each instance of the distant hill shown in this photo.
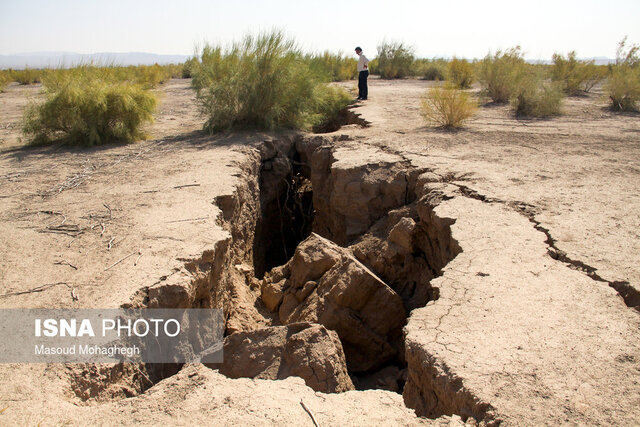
(67, 59)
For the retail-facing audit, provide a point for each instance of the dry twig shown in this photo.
(187, 185)
(40, 288)
(315, 423)
(119, 261)
(65, 262)
(190, 219)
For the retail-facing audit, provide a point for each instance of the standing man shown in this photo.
(363, 73)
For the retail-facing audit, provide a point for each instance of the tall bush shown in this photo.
(394, 60)
(430, 69)
(335, 67)
(260, 82)
(499, 73)
(460, 73)
(189, 66)
(5, 78)
(575, 76)
(536, 97)
(623, 86)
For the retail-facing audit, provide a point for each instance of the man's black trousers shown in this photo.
(363, 90)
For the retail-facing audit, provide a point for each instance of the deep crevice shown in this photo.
(400, 240)
(286, 207)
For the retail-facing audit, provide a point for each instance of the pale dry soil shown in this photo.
(528, 338)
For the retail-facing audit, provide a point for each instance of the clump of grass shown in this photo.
(499, 73)
(394, 60)
(535, 97)
(447, 106)
(260, 82)
(575, 76)
(336, 67)
(460, 73)
(87, 106)
(623, 86)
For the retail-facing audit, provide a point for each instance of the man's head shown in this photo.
(358, 50)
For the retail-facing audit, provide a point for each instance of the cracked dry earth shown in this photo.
(387, 274)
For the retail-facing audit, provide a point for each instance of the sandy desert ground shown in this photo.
(511, 244)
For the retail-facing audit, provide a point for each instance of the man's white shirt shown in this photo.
(362, 61)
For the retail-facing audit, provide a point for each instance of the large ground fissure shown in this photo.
(323, 264)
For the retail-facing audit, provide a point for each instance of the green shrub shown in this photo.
(535, 97)
(88, 107)
(189, 66)
(328, 103)
(28, 76)
(447, 106)
(334, 67)
(149, 76)
(394, 60)
(430, 69)
(373, 67)
(173, 71)
(499, 73)
(5, 78)
(623, 86)
(261, 82)
(460, 73)
(574, 75)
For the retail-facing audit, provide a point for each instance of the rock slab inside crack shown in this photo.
(324, 283)
(309, 351)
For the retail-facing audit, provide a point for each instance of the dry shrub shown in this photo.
(535, 97)
(394, 60)
(262, 82)
(447, 106)
(623, 86)
(86, 106)
(499, 73)
(575, 76)
(460, 73)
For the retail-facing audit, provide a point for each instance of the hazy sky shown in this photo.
(433, 28)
